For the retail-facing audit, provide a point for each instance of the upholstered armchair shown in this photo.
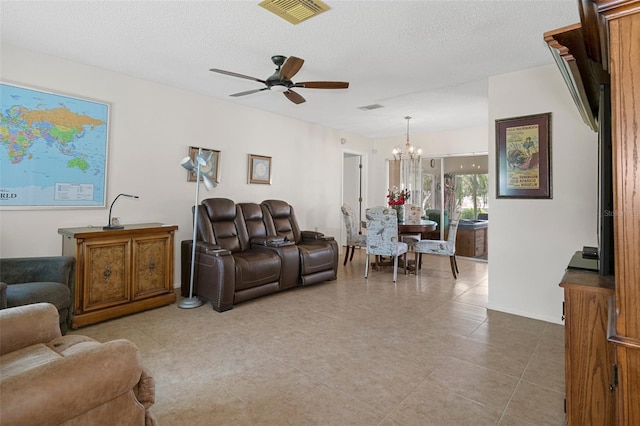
(354, 239)
(27, 280)
(382, 238)
(318, 252)
(50, 379)
(442, 247)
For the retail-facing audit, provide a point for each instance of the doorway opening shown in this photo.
(353, 187)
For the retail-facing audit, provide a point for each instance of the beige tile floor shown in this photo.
(423, 351)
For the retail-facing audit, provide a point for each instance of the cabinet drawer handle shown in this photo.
(107, 273)
(152, 265)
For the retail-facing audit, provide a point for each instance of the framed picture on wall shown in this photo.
(213, 166)
(523, 157)
(259, 169)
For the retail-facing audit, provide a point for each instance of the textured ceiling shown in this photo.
(426, 59)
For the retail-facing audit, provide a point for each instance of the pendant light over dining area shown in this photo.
(407, 162)
(408, 151)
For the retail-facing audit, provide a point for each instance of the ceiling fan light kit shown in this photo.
(280, 80)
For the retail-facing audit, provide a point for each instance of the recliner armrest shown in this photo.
(211, 249)
(214, 276)
(315, 236)
(270, 242)
(200, 245)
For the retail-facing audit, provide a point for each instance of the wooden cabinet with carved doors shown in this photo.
(119, 272)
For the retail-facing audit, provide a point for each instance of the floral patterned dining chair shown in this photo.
(382, 238)
(412, 214)
(354, 238)
(442, 247)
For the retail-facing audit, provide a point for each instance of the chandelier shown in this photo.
(407, 151)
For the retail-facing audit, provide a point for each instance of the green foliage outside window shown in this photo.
(470, 214)
(472, 188)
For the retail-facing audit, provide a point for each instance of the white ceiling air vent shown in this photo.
(295, 11)
(370, 107)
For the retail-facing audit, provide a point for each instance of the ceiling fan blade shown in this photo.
(248, 92)
(323, 85)
(291, 67)
(235, 74)
(294, 97)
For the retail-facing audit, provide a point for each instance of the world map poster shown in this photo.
(53, 149)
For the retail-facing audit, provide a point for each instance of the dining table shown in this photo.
(423, 228)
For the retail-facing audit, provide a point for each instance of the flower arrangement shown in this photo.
(397, 197)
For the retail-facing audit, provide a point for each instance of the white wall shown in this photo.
(532, 241)
(151, 128)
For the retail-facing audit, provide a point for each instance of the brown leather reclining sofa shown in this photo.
(249, 250)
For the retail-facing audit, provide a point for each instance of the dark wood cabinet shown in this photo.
(589, 357)
(119, 272)
(624, 66)
(471, 242)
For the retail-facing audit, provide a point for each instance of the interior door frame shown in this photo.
(362, 190)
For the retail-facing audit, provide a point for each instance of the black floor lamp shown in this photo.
(202, 162)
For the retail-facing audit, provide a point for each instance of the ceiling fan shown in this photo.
(281, 79)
